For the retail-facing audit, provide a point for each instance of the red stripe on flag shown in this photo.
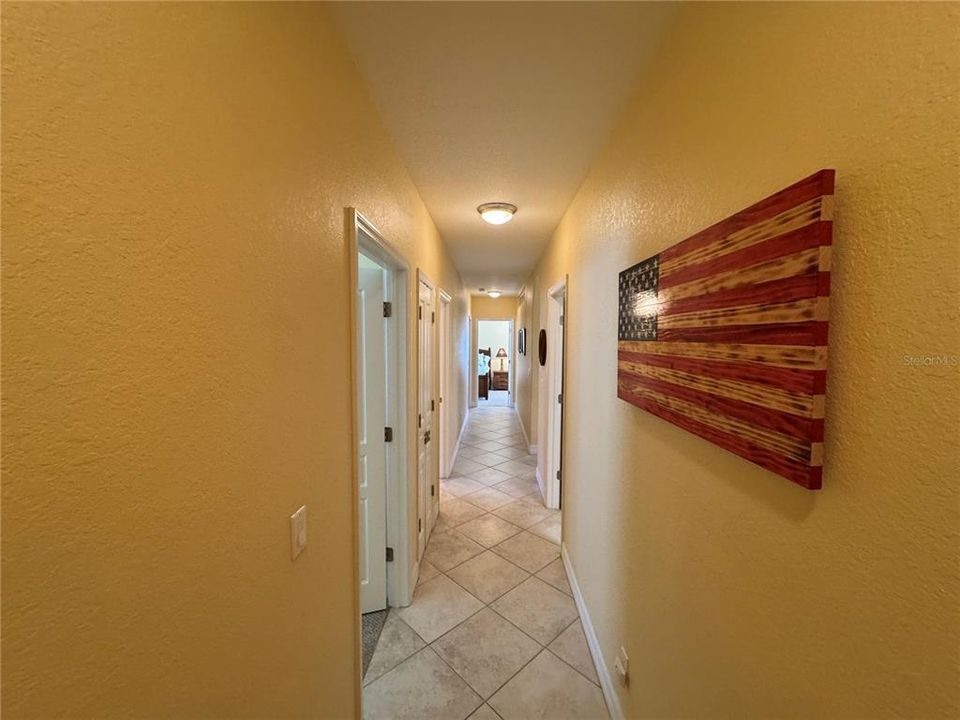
(794, 426)
(823, 284)
(808, 477)
(798, 287)
(820, 183)
(794, 380)
(787, 244)
(802, 333)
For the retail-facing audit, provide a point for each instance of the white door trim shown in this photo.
(556, 361)
(593, 643)
(363, 235)
(431, 503)
(374, 281)
(445, 357)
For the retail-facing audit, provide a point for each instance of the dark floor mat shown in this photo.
(372, 627)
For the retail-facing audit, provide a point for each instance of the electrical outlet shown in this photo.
(622, 667)
(298, 532)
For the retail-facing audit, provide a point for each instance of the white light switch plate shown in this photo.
(298, 532)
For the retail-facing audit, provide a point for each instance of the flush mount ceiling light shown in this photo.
(497, 213)
(494, 293)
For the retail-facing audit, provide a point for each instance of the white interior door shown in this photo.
(427, 505)
(512, 367)
(443, 344)
(372, 465)
(558, 407)
(555, 340)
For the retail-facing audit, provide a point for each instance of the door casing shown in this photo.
(374, 284)
(511, 352)
(363, 235)
(556, 362)
(428, 503)
(445, 357)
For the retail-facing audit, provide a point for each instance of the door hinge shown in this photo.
(389, 554)
(426, 438)
(388, 309)
(561, 321)
(432, 407)
(419, 420)
(420, 313)
(419, 524)
(388, 434)
(558, 474)
(432, 491)
(560, 398)
(433, 317)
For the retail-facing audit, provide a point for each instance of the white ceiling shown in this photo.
(499, 102)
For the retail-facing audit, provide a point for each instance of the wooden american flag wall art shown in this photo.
(725, 333)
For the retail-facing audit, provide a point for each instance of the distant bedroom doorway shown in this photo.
(495, 362)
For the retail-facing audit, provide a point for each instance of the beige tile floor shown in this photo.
(493, 631)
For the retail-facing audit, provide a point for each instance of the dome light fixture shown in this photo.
(497, 213)
(494, 293)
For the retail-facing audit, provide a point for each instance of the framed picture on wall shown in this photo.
(724, 334)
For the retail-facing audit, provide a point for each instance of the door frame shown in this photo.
(445, 358)
(511, 353)
(362, 235)
(556, 373)
(433, 475)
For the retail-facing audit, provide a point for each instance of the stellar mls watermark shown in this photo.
(945, 360)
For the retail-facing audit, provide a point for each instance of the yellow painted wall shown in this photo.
(528, 364)
(483, 307)
(737, 593)
(176, 356)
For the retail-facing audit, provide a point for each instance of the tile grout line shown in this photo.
(574, 622)
(542, 647)
(488, 606)
(491, 549)
(493, 512)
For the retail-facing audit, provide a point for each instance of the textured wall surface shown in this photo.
(176, 356)
(737, 593)
(483, 307)
(527, 364)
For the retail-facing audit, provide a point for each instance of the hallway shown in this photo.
(250, 255)
(493, 631)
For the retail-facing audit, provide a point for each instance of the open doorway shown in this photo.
(495, 366)
(379, 311)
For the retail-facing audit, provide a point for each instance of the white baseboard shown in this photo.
(414, 576)
(526, 438)
(531, 448)
(456, 449)
(606, 682)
